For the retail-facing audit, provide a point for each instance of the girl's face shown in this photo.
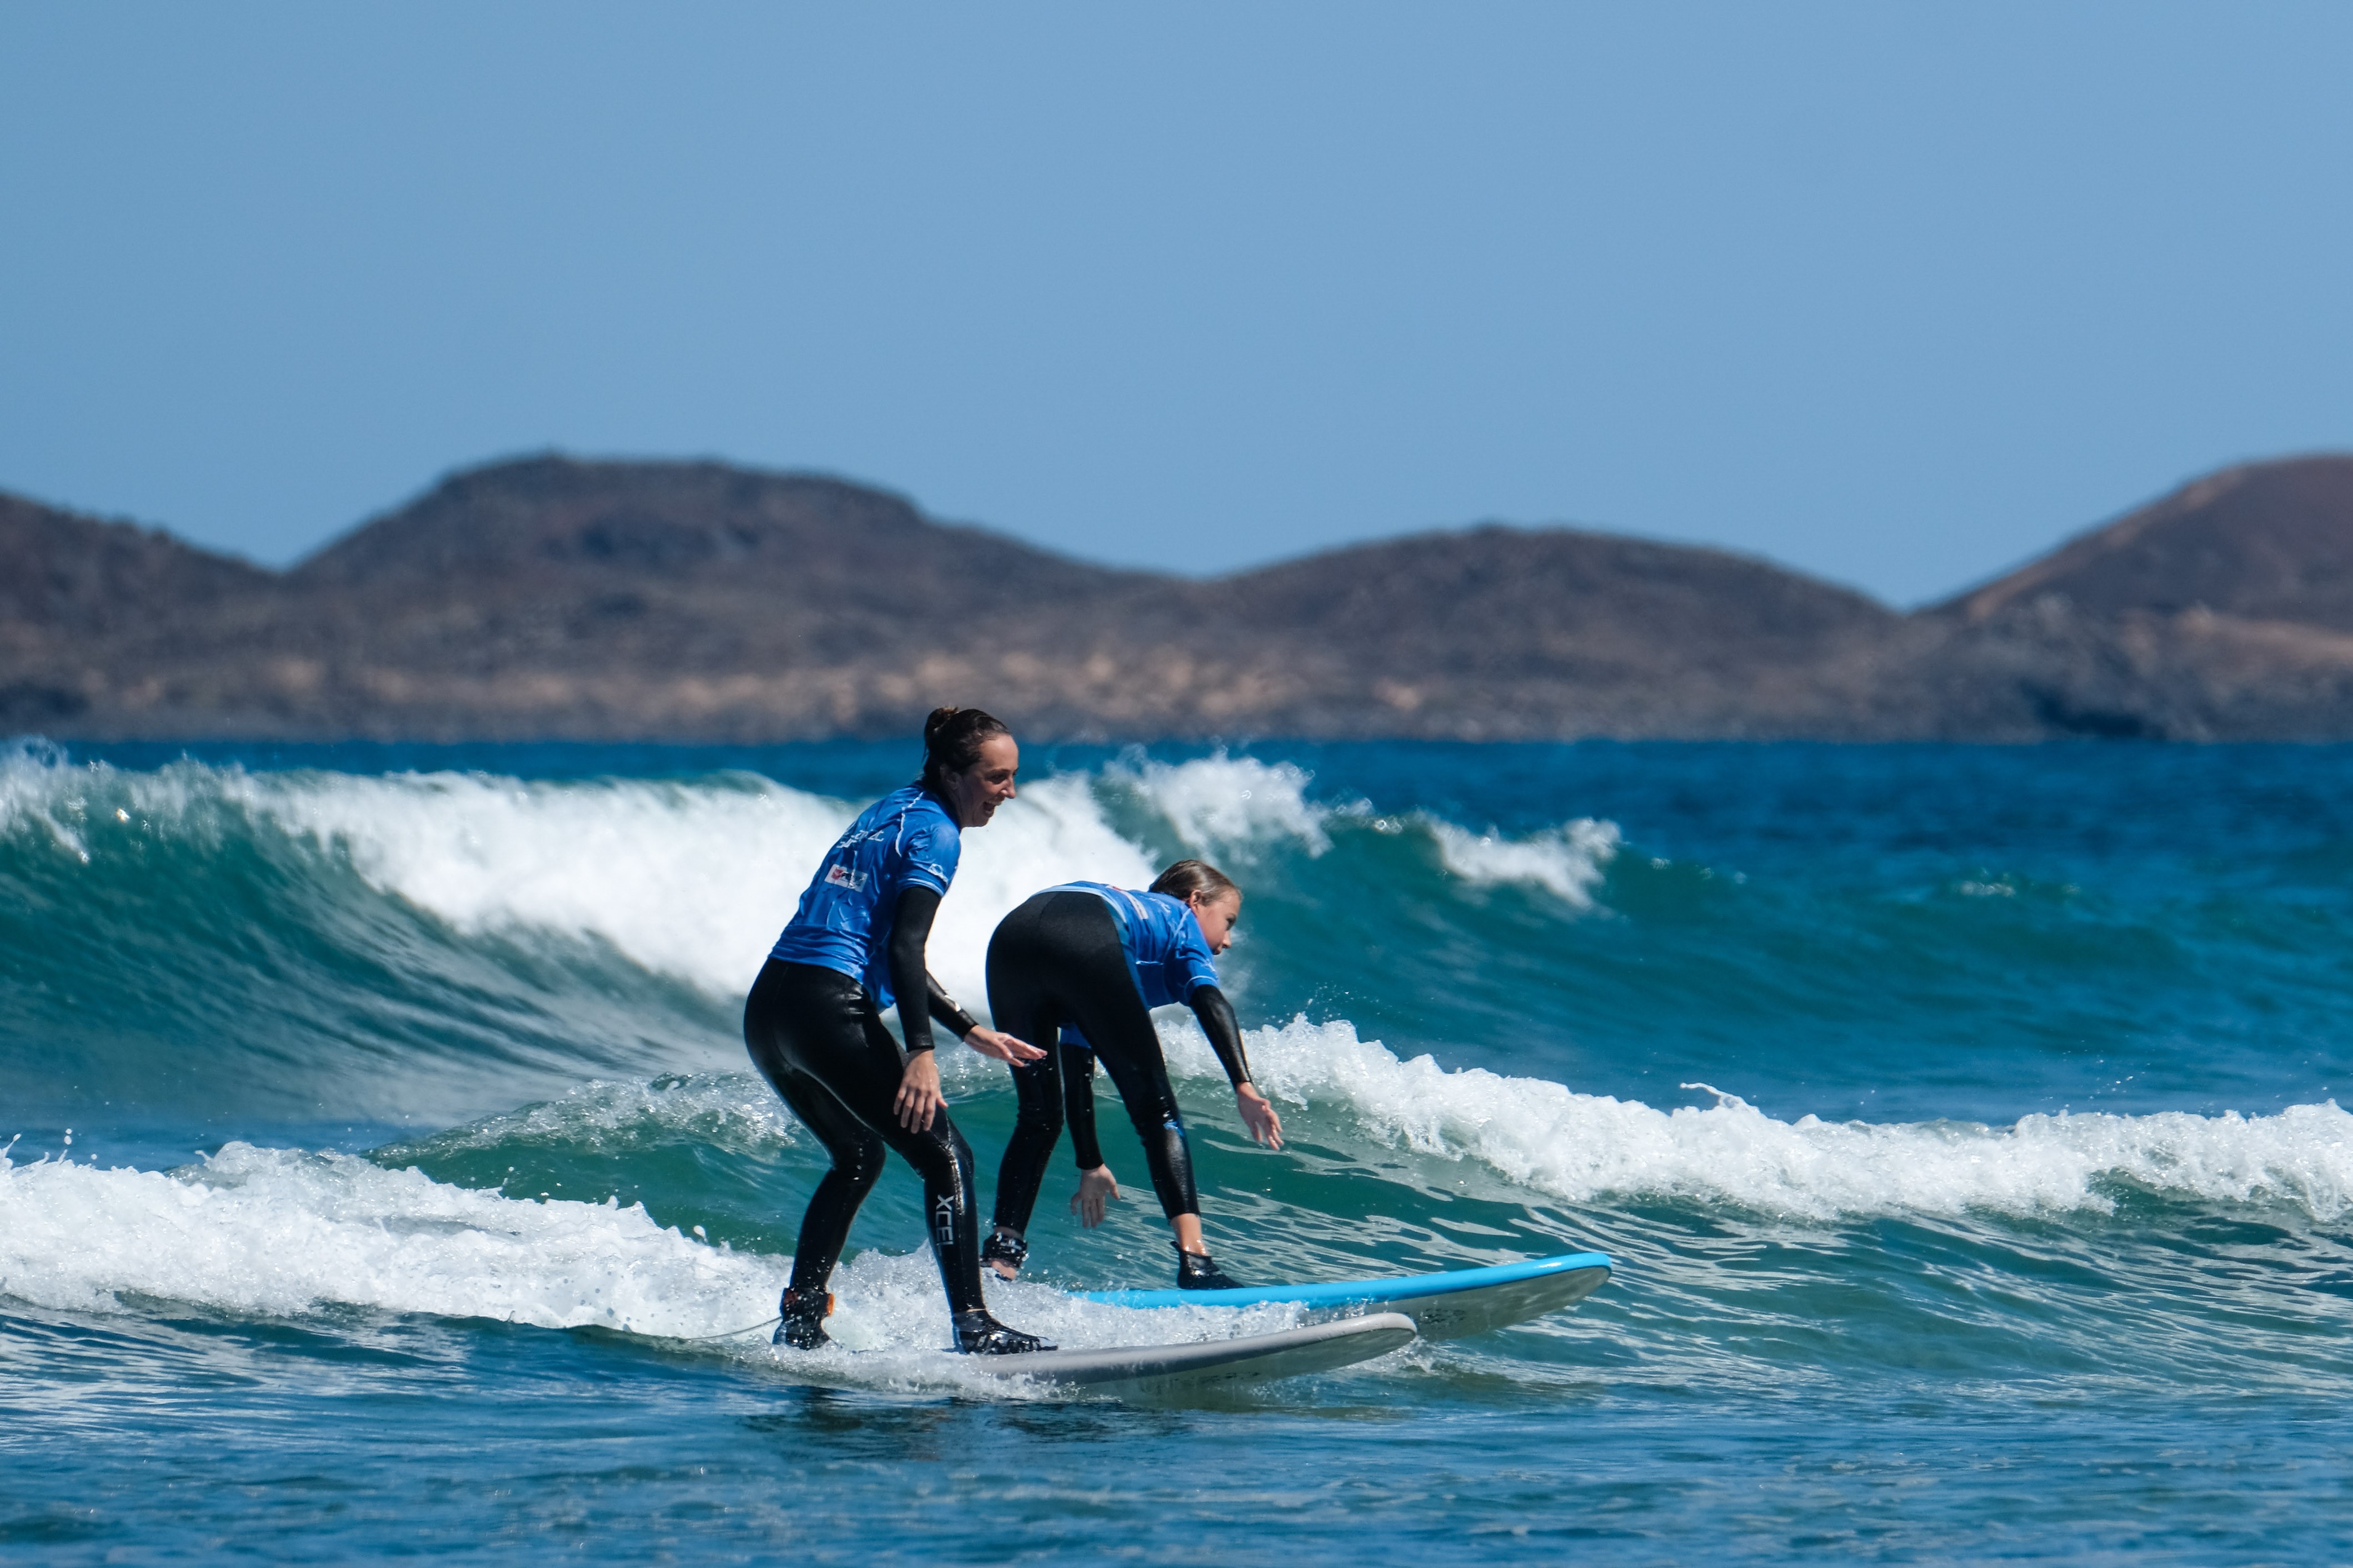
(980, 789)
(1218, 916)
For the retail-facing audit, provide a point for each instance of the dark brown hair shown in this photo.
(1187, 877)
(952, 743)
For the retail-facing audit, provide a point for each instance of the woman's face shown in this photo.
(1218, 916)
(980, 789)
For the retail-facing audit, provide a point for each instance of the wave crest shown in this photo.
(1582, 1147)
(689, 879)
(693, 879)
(1568, 861)
(1234, 806)
(278, 1233)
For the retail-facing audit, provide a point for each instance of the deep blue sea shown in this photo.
(388, 1176)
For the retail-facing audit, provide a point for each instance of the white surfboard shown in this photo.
(1253, 1358)
(1442, 1306)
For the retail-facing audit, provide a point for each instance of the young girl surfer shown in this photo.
(1083, 964)
(813, 1023)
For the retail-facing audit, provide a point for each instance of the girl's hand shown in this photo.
(1096, 1188)
(919, 1092)
(1259, 1116)
(1001, 1047)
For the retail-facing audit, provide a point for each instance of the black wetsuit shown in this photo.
(1058, 959)
(815, 1033)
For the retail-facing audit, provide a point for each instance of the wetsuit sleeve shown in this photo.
(944, 1009)
(1225, 1031)
(1079, 1104)
(910, 927)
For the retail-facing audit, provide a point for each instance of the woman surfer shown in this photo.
(814, 1024)
(1083, 964)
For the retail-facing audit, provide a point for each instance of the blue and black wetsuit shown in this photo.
(814, 1027)
(1082, 965)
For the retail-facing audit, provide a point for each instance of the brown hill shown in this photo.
(69, 576)
(551, 597)
(2223, 611)
(555, 597)
(1495, 631)
(2264, 542)
(70, 585)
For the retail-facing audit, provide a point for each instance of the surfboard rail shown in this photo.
(1251, 1358)
(1446, 1305)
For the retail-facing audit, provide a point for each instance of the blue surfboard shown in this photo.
(1442, 1306)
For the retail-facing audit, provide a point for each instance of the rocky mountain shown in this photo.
(2265, 542)
(553, 597)
(2223, 611)
(72, 587)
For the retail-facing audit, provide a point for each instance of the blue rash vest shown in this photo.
(906, 840)
(1165, 950)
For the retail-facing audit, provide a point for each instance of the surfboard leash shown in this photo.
(731, 1333)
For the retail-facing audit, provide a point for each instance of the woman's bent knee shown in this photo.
(1044, 1122)
(862, 1162)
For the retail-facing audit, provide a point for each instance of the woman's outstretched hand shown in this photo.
(1096, 1188)
(1259, 1116)
(919, 1099)
(999, 1045)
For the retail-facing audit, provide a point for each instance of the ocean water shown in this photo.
(387, 1177)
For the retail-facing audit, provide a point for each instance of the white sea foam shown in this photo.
(1587, 1148)
(275, 1233)
(1568, 861)
(1233, 806)
(689, 879)
(1583, 1147)
(683, 879)
(693, 879)
(725, 1111)
(38, 787)
(272, 1232)
(1238, 807)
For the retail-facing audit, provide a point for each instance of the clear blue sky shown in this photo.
(1893, 293)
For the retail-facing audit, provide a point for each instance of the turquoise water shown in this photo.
(388, 1178)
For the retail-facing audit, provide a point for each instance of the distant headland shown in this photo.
(550, 597)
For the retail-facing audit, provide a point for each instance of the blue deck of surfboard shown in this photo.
(1462, 1301)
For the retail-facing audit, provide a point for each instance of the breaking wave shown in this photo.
(693, 879)
(1580, 1148)
(530, 987)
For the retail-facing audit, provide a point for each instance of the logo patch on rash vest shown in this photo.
(843, 876)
